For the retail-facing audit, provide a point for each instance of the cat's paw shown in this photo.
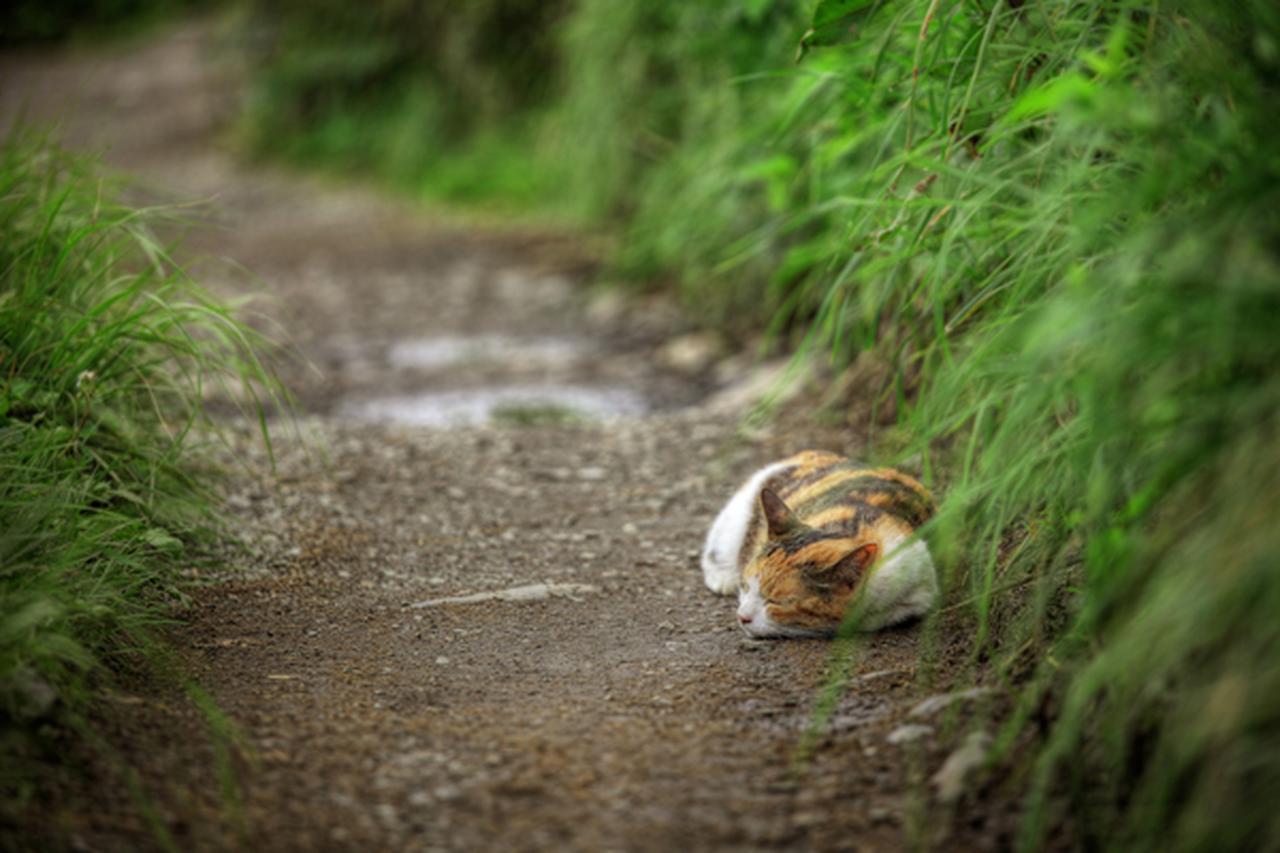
(719, 580)
(723, 584)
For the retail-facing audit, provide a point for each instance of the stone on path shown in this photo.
(934, 704)
(958, 769)
(908, 733)
(529, 592)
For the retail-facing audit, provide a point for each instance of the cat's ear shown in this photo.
(859, 559)
(777, 516)
(845, 573)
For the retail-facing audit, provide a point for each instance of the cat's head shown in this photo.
(802, 581)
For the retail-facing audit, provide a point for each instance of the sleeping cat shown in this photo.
(803, 537)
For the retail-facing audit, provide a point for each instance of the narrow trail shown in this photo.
(630, 714)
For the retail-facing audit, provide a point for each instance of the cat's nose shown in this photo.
(745, 620)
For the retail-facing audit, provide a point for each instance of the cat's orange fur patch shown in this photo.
(815, 613)
(824, 552)
(807, 462)
(806, 493)
(903, 479)
(834, 515)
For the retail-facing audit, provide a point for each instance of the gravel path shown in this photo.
(616, 707)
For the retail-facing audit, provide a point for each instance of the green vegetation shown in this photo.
(1059, 223)
(534, 415)
(107, 352)
(432, 98)
(27, 21)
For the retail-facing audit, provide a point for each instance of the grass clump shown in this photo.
(107, 351)
(1083, 285)
(1059, 224)
(535, 415)
(1062, 229)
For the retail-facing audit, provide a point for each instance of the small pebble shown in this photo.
(881, 815)
(908, 733)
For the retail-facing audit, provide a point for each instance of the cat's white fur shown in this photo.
(903, 585)
(729, 531)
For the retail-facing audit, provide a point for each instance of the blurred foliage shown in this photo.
(391, 88)
(674, 114)
(24, 21)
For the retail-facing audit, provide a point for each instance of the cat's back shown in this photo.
(832, 495)
(827, 491)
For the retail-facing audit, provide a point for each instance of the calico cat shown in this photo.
(803, 537)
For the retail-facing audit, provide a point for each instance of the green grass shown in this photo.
(535, 415)
(1059, 225)
(107, 351)
(434, 102)
(1085, 306)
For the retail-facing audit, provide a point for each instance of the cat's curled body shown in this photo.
(804, 536)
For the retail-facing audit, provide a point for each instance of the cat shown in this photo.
(804, 537)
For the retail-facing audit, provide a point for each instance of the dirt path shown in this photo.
(631, 714)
